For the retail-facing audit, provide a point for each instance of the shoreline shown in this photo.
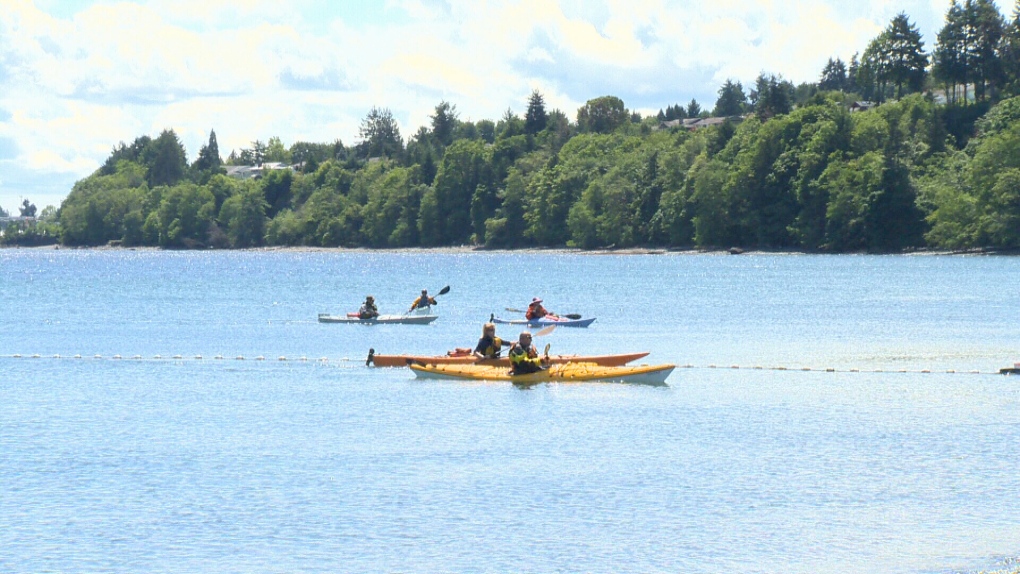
(467, 249)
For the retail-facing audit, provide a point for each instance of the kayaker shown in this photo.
(537, 311)
(524, 357)
(368, 309)
(423, 301)
(489, 346)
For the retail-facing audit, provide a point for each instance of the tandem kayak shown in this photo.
(566, 372)
(404, 360)
(543, 322)
(380, 320)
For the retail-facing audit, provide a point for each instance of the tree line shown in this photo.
(937, 164)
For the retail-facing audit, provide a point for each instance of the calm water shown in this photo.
(249, 466)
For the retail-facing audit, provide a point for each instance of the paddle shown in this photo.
(545, 332)
(574, 316)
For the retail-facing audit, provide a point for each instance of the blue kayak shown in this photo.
(543, 322)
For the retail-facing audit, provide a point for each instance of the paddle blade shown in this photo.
(546, 331)
(444, 290)
(546, 350)
(574, 316)
(512, 310)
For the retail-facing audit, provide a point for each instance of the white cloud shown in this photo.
(311, 69)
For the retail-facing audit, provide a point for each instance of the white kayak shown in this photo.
(380, 320)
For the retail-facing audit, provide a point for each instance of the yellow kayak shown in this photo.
(565, 372)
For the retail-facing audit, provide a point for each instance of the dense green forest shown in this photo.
(934, 162)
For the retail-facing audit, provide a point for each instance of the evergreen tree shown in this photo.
(834, 76)
(167, 161)
(535, 119)
(136, 152)
(27, 209)
(1010, 52)
(339, 151)
(255, 155)
(986, 64)
(693, 109)
(852, 72)
(209, 155)
(380, 136)
(444, 122)
(772, 96)
(949, 57)
(905, 55)
(732, 100)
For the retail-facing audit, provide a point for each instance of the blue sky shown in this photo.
(78, 77)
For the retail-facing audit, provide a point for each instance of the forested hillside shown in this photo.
(934, 162)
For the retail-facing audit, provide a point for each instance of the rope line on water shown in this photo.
(305, 359)
(850, 370)
(301, 359)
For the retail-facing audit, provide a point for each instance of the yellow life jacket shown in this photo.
(521, 362)
(492, 350)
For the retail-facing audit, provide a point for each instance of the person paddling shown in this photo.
(524, 357)
(423, 301)
(368, 309)
(537, 311)
(489, 346)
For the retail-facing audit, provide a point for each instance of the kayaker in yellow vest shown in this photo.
(423, 301)
(489, 346)
(524, 357)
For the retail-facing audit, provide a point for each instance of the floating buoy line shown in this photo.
(853, 370)
(176, 358)
(325, 360)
